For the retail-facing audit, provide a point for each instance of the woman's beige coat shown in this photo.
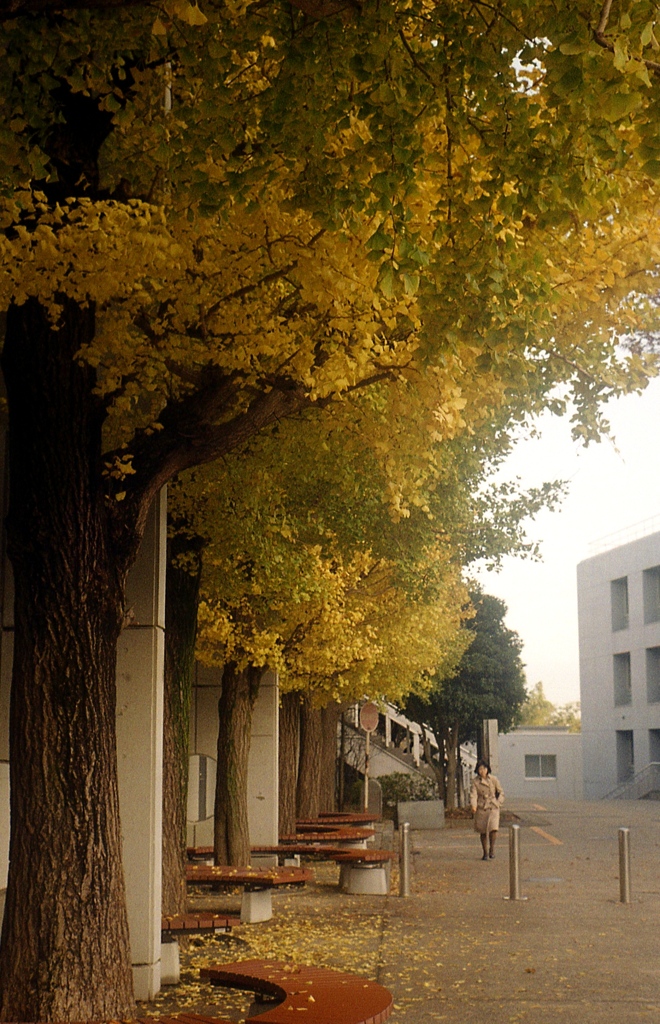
(486, 798)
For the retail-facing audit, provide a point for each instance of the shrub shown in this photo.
(400, 786)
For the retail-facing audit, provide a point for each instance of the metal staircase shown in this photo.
(398, 759)
(644, 785)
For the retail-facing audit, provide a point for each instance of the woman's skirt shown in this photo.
(486, 821)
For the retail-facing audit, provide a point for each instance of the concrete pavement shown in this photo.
(571, 952)
(457, 951)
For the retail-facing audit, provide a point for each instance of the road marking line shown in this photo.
(546, 836)
(539, 807)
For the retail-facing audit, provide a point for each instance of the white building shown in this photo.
(619, 629)
(541, 763)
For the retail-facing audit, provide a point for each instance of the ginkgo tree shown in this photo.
(213, 218)
(311, 568)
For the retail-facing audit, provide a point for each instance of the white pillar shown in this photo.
(388, 728)
(140, 665)
(415, 749)
(263, 765)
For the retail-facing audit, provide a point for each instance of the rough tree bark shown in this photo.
(289, 750)
(328, 783)
(309, 764)
(180, 637)
(438, 766)
(451, 736)
(235, 708)
(65, 933)
(64, 952)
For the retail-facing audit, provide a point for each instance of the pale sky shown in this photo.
(608, 492)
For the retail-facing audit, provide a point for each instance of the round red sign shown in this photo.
(369, 717)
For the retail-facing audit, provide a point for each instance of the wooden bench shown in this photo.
(174, 926)
(364, 871)
(200, 853)
(196, 924)
(327, 997)
(335, 835)
(256, 883)
(341, 818)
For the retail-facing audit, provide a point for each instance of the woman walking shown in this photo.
(486, 798)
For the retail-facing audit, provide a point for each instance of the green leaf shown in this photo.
(379, 241)
(619, 105)
(386, 280)
(573, 45)
(652, 168)
(620, 54)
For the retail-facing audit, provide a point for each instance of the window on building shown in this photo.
(651, 587)
(540, 766)
(619, 596)
(622, 680)
(653, 675)
(625, 755)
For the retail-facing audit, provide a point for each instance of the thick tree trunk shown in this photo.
(289, 749)
(328, 787)
(65, 947)
(235, 708)
(437, 766)
(309, 765)
(342, 761)
(451, 734)
(462, 801)
(180, 635)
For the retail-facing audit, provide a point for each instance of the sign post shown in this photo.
(368, 721)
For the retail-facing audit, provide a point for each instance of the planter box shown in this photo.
(422, 814)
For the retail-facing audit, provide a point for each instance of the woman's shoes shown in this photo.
(485, 856)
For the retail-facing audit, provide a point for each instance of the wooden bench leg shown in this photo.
(169, 961)
(364, 879)
(256, 906)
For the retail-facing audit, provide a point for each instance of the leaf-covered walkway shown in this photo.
(457, 951)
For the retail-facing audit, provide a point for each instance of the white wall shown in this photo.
(598, 644)
(567, 748)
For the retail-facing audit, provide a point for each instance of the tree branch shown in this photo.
(203, 426)
(603, 41)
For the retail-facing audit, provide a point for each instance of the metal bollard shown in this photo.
(624, 865)
(514, 864)
(404, 860)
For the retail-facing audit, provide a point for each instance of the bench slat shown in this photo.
(265, 878)
(204, 922)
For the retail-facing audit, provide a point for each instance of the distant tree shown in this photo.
(539, 710)
(568, 715)
(489, 683)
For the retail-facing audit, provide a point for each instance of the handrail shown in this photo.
(634, 788)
